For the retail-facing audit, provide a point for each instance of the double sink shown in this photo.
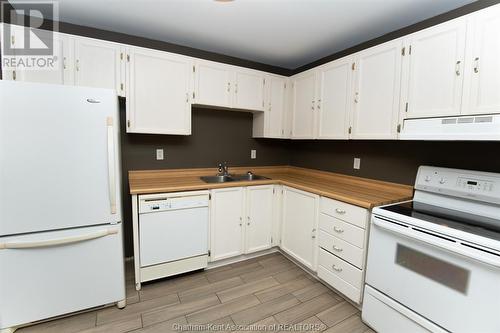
(231, 178)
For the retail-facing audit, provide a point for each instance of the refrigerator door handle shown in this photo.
(58, 241)
(111, 165)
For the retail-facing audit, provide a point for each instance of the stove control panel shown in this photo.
(476, 185)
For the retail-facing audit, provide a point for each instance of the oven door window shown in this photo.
(440, 271)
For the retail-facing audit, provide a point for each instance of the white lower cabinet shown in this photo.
(342, 247)
(241, 220)
(299, 229)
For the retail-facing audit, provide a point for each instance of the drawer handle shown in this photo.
(313, 233)
(337, 269)
(336, 248)
(339, 211)
(338, 230)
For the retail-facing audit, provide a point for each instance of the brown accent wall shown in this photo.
(217, 136)
(395, 161)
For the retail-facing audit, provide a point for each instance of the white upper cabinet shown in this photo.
(482, 94)
(299, 229)
(248, 89)
(158, 95)
(270, 123)
(99, 64)
(226, 222)
(334, 99)
(304, 99)
(259, 218)
(213, 84)
(376, 92)
(435, 65)
(62, 72)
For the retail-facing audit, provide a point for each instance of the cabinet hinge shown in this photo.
(272, 240)
(264, 81)
(194, 69)
(350, 129)
(282, 132)
(13, 39)
(128, 57)
(128, 123)
(399, 128)
(194, 95)
(403, 51)
(210, 196)
(121, 86)
(353, 66)
(209, 253)
(14, 75)
(406, 107)
(121, 55)
(285, 85)
(409, 50)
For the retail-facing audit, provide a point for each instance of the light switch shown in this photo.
(159, 154)
(357, 163)
(253, 154)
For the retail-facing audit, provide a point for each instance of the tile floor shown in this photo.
(265, 293)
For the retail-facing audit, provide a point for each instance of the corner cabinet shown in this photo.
(300, 226)
(158, 99)
(271, 122)
(304, 98)
(377, 87)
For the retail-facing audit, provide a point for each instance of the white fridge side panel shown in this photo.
(42, 282)
(54, 144)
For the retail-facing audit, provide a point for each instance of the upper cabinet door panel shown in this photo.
(377, 91)
(276, 105)
(213, 84)
(158, 93)
(248, 90)
(61, 72)
(98, 64)
(334, 99)
(484, 72)
(303, 106)
(435, 75)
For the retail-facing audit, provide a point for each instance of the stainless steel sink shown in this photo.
(232, 178)
(217, 179)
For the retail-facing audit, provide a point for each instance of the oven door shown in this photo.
(455, 286)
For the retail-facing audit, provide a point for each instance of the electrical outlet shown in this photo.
(357, 163)
(159, 154)
(253, 154)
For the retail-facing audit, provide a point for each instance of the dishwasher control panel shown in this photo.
(159, 203)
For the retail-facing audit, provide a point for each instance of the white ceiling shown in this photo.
(286, 33)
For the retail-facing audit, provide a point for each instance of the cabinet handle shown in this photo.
(356, 97)
(457, 68)
(336, 248)
(340, 211)
(228, 86)
(338, 230)
(187, 97)
(313, 233)
(241, 221)
(312, 106)
(476, 65)
(77, 65)
(236, 88)
(319, 104)
(337, 269)
(248, 218)
(64, 63)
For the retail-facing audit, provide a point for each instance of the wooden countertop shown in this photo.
(362, 192)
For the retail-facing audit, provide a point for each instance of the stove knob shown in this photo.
(442, 181)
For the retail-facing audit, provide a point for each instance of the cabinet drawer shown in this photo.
(342, 249)
(341, 210)
(344, 287)
(339, 267)
(342, 230)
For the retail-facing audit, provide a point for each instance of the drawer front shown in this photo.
(341, 210)
(339, 267)
(345, 288)
(342, 249)
(343, 230)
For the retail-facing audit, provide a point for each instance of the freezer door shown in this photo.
(59, 162)
(53, 273)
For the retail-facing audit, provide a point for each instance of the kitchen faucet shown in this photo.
(223, 169)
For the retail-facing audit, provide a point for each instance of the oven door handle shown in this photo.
(435, 241)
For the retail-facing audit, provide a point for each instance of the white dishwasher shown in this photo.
(173, 233)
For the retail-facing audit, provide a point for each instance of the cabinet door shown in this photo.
(62, 72)
(226, 223)
(484, 59)
(334, 99)
(435, 72)
(259, 218)
(248, 90)
(158, 94)
(98, 64)
(213, 84)
(276, 106)
(377, 91)
(299, 230)
(303, 106)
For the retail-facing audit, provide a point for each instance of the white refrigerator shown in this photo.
(61, 247)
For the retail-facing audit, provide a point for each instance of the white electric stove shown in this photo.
(434, 262)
